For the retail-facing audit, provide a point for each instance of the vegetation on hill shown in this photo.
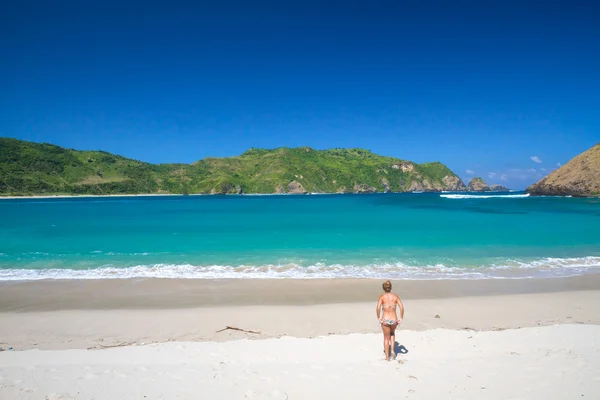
(35, 169)
(579, 177)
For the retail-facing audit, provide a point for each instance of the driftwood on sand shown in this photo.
(233, 328)
(109, 346)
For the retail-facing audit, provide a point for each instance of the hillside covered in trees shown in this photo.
(28, 168)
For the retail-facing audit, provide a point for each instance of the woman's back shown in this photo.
(388, 304)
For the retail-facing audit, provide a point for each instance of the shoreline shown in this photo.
(172, 293)
(69, 196)
(106, 328)
(84, 314)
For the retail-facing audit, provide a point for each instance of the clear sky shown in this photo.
(504, 89)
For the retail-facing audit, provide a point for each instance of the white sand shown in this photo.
(80, 329)
(555, 362)
(539, 345)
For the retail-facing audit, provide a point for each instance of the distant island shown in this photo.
(479, 185)
(580, 177)
(28, 169)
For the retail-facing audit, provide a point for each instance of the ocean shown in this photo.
(395, 236)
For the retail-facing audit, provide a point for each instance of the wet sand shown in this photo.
(109, 294)
(82, 314)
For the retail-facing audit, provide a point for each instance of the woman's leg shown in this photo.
(393, 339)
(386, 340)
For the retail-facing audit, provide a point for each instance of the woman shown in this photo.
(389, 321)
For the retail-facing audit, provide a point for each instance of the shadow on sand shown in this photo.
(399, 349)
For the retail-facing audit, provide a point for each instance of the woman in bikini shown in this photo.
(389, 320)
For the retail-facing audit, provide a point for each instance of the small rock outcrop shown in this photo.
(279, 189)
(295, 187)
(226, 188)
(425, 185)
(416, 186)
(362, 188)
(386, 185)
(405, 166)
(498, 188)
(478, 185)
(429, 187)
(580, 177)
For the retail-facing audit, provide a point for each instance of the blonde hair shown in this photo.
(387, 286)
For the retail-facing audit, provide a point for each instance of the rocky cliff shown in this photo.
(579, 177)
(478, 185)
(453, 184)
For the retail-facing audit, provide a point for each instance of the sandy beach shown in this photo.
(160, 339)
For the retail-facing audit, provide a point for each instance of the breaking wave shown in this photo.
(483, 196)
(507, 269)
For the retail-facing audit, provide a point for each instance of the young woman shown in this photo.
(389, 320)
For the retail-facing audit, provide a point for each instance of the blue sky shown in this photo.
(503, 90)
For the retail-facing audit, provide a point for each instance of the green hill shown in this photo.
(36, 169)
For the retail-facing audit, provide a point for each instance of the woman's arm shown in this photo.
(401, 308)
(379, 309)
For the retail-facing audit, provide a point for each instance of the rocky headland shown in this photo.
(580, 177)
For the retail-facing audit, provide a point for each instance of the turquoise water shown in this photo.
(414, 236)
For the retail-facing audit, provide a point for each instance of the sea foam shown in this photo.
(483, 196)
(507, 269)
